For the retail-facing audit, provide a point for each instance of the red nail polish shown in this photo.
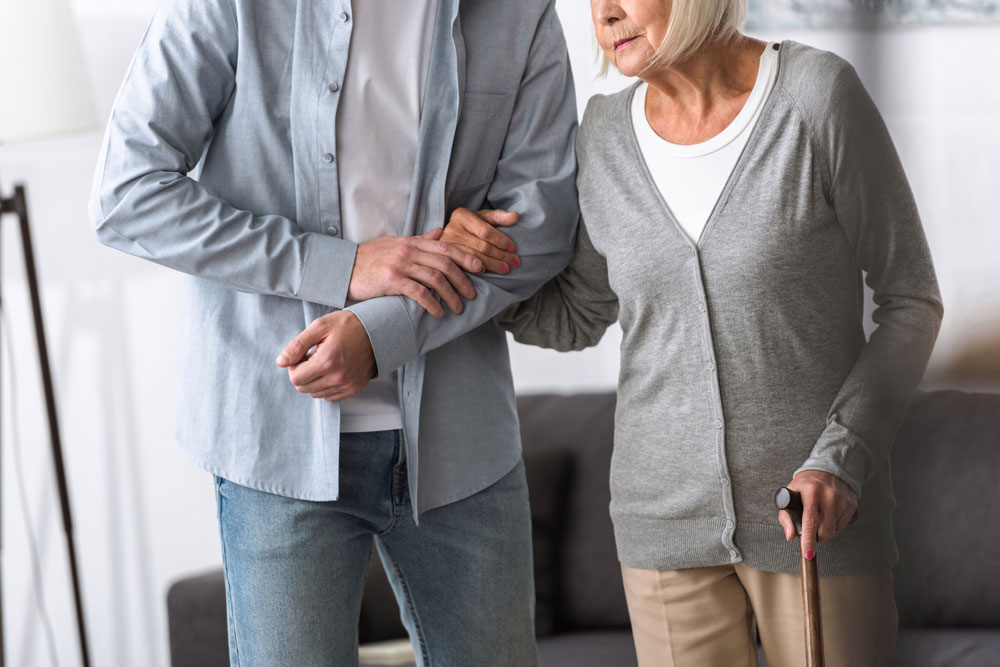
(515, 262)
(809, 555)
(511, 248)
(504, 268)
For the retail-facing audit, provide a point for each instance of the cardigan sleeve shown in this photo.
(573, 310)
(875, 207)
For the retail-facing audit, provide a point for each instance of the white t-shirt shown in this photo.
(691, 177)
(378, 119)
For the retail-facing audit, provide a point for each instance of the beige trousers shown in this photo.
(709, 617)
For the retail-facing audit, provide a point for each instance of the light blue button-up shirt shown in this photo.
(242, 93)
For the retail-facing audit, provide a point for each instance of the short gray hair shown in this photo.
(693, 23)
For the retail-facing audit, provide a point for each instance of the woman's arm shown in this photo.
(570, 312)
(875, 207)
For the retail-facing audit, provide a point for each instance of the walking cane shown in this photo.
(791, 501)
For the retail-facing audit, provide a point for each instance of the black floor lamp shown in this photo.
(44, 92)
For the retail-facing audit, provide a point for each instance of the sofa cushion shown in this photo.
(585, 649)
(945, 463)
(947, 647)
(196, 614)
(589, 592)
(549, 474)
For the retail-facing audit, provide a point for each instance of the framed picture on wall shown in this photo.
(765, 14)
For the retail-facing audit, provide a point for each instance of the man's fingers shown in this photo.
(785, 519)
(449, 270)
(438, 281)
(422, 296)
(296, 351)
(498, 216)
(433, 235)
(307, 372)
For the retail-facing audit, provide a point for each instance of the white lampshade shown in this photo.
(44, 85)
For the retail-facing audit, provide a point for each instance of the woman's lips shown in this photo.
(622, 43)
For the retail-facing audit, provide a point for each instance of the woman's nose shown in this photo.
(606, 12)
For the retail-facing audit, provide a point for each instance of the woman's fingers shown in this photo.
(810, 523)
(498, 216)
(828, 504)
(457, 255)
(475, 232)
(785, 519)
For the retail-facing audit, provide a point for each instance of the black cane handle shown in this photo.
(791, 501)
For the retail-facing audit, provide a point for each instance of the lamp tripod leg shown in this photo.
(18, 204)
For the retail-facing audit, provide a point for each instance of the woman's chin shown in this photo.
(630, 67)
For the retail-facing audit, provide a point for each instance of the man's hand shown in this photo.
(412, 266)
(475, 233)
(828, 504)
(342, 362)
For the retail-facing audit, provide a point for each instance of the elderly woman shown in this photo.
(733, 199)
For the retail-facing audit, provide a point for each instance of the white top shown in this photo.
(378, 118)
(691, 177)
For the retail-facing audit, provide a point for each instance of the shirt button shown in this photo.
(343, 16)
(334, 87)
(710, 366)
(328, 157)
(718, 423)
(332, 231)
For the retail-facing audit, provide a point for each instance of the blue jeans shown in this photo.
(295, 569)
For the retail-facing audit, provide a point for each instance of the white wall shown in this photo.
(145, 516)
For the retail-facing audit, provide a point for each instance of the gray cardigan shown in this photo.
(744, 358)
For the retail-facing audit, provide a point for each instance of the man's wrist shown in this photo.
(356, 329)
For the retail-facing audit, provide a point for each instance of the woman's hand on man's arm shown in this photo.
(828, 504)
(475, 233)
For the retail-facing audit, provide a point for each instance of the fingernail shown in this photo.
(809, 555)
(504, 268)
(515, 262)
(510, 248)
(282, 359)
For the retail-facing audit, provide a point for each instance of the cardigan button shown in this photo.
(718, 423)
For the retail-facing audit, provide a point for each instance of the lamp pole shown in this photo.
(18, 205)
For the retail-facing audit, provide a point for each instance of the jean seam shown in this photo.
(225, 570)
(409, 606)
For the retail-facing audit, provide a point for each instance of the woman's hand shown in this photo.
(828, 504)
(476, 234)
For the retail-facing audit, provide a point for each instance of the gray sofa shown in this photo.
(945, 464)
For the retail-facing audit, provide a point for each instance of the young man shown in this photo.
(326, 141)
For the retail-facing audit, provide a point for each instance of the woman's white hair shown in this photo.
(693, 23)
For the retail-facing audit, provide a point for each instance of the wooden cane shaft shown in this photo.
(811, 612)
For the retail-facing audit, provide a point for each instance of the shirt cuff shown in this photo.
(326, 274)
(390, 331)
